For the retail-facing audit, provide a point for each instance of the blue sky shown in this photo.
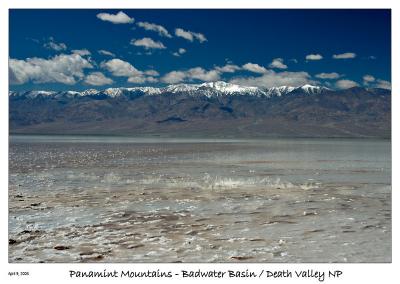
(81, 49)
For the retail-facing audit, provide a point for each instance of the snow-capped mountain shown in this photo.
(218, 109)
(89, 92)
(209, 89)
(279, 91)
(32, 94)
(310, 89)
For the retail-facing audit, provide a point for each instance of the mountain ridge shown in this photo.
(218, 87)
(208, 109)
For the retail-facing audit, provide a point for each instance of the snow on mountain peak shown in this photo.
(146, 90)
(89, 92)
(310, 89)
(177, 88)
(279, 91)
(213, 88)
(228, 87)
(209, 89)
(113, 92)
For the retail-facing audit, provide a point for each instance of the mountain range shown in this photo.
(214, 109)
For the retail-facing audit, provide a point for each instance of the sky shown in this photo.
(78, 49)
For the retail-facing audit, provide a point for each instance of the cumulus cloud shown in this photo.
(154, 27)
(254, 67)
(52, 44)
(148, 43)
(106, 52)
(196, 73)
(277, 63)
(314, 57)
(346, 55)
(368, 79)
(332, 75)
(12, 78)
(377, 83)
(174, 77)
(151, 73)
(272, 79)
(81, 52)
(203, 75)
(190, 36)
(383, 84)
(142, 79)
(179, 52)
(119, 18)
(228, 68)
(97, 79)
(63, 68)
(120, 68)
(345, 84)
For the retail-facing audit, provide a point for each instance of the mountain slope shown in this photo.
(215, 109)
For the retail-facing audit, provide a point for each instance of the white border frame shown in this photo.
(47, 273)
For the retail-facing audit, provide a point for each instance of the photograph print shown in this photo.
(199, 136)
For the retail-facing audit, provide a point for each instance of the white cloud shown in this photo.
(121, 68)
(383, 84)
(97, 79)
(179, 52)
(142, 79)
(277, 63)
(52, 44)
(106, 52)
(203, 75)
(346, 55)
(314, 57)
(368, 79)
(148, 43)
(196, 73)
(151, 73)
(228, 68)
(63, 68)
(190, 36)
(272, 79)
(154, 27)
(119, 18)
(174, 77)
(254, 67)
(81, 52)
(345, 84)
(332, 75)
(151, 80)
(184, 34)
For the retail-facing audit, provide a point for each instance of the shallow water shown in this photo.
(120, 199)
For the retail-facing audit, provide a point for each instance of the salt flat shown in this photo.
(120, 199)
